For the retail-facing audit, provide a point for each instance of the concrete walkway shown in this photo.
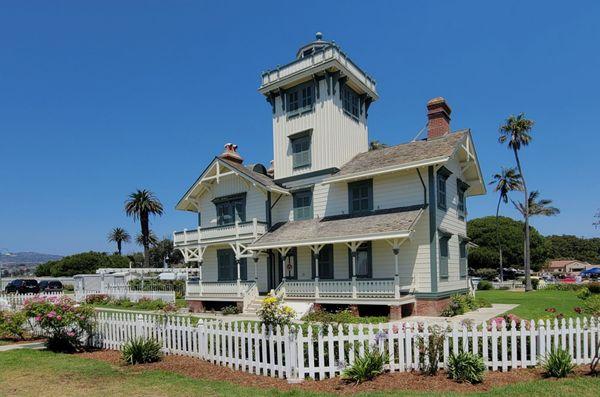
(478, 316)
(15, 346)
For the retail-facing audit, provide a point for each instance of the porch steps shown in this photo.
(300, 307)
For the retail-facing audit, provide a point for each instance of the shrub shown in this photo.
(11, 325)
(141, 351)
(591, 305)
(466, 367)
(486, 273)
(366, 367)
(484, 285)
(273, 312)
(565, 287)
(583, 293)
(558, 364)
(97, 299)
(431, 350)
(460, 304)
(64, 323)
(594, 287)
(228, 310)
(150, 304)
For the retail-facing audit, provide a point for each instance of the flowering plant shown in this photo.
(273, 312)
(61, 320)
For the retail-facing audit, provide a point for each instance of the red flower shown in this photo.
(578, 310)
(551, 310)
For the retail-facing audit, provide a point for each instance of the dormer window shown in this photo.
(300, 99)
(301, 154)
(230, 209)
(350, 102)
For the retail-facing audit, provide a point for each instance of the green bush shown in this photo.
(583, 293)
(466, 367)
(11, 325)
(366, 367)
(97, 299)
(486, 273)
(591, 305)
(149, 304)
(228, 310)
(564, 287)
(141, 351)
(462, 303)
(484, 285)
(594, 287)
(558, 364)
(273, 312)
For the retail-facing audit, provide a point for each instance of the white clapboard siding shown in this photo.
(319, 353)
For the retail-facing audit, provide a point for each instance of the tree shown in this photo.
(119, 236)
(140, 205)
(573, 247)
(484, 232)
(506, 181)
(537, 207)
(375, 145)
(165, 251)
(516, 131)
(83, 263)
(152, 239)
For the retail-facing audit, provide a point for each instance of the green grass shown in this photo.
(533, 305)
(30, 372)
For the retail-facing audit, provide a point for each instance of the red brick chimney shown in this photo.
(438, 113)
(231, 153)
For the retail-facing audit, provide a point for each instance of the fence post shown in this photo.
(291, 349)
(139, 326)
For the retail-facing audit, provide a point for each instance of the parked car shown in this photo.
(50, 286)
(22, 286)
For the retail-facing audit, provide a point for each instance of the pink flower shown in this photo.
(71, 334)
(38, 318)
(59, 318)
(52, 314)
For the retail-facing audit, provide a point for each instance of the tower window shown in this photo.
(300, 99)
(301, 151)
(350, 102)
(303, 208)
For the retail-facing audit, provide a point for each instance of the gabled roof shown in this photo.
(382, 224)
(562, 263)
(234, 168)
(407, 156)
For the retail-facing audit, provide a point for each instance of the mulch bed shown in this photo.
(407, 381)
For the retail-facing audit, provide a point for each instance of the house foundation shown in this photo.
(195, 306)
(430, 307)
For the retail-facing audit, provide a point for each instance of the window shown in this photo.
(301, 151)
(300, 99)
(303, 208)
(230, 209)
(444, 256)
(325, 263)
(350, 101)
(463, 259)
(461, 189)
(199, 219)
(364, 267)
(360, 196)
(227, 266)
(442, 176)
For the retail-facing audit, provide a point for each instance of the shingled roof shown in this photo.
(403, 154)
(389, 223)
(264, 180)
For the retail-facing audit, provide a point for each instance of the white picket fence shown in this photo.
(128, 293)
(16, 301)
(320, 353)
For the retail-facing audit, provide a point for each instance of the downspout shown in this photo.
(268, 209)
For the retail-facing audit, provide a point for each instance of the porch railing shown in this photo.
(351, 288)
(219, 289)
(253, 228)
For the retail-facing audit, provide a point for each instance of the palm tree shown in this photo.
(119, 236)
(152, 239)
(140, 205)
(506, 181)
(537, 207)
(516, 131)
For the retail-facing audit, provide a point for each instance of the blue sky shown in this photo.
(100, 98)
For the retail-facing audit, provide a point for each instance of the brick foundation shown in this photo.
(354, 310)
(240, 306)
(316, 307)
(395, 313)
(195, 306)
(430, 307)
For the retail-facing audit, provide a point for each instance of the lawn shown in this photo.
(533, 305)
(27, 372)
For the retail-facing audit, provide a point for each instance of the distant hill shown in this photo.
(25, 258)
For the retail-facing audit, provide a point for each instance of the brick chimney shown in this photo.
(231, 153)
(438, 113)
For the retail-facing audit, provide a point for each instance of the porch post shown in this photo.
(316, 258)
(200, 276)
(255, 259)
(396, 251)
(237, 262)
(354, 254)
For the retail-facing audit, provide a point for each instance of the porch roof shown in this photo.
(391, 223)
